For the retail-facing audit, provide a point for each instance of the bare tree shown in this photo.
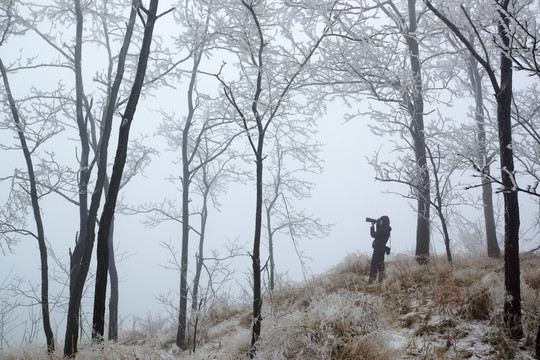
(503, 94)
(286, 185)
(118, 168)
(364, 66)
(484, 160)
(28, 148)
(80, 260)
(261, 96)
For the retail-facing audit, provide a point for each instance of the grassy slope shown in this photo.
(419, 312)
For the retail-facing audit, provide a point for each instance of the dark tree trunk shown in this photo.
(80, 258)
(503, 96)
(512, 299)
(113, 299)
(493, 249)
(416, 110)
(537, 352)
(37, 215)
(255, 256)
(98, 325)
(186, 182)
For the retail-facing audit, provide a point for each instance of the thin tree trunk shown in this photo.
(105, 223)
(37, 215)
(493, 249)
(537, 352)
(200, 256)
(186, 182)
(113, 299)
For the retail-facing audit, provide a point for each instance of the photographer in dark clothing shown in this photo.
(381, 234)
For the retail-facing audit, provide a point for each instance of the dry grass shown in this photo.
(433, 311)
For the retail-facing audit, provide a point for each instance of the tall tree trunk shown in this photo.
(493, 249)
(503, 96)
(512, 299)
(186, 182)
(37, 214)
(98, 325)
(416, 110)
(80, 258)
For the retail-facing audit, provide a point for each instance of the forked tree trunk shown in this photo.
(80, 258)
(98, 325)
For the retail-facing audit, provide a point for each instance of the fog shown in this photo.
(344, 195)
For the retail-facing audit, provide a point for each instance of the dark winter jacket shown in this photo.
(381, 235)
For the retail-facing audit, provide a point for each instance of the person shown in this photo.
(381, 234)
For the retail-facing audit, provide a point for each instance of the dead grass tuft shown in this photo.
(360, 348)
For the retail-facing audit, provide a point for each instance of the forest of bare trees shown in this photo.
(231, 93)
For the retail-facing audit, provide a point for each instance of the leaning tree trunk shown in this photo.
(80, 259)
(105, 223)
(37, 215)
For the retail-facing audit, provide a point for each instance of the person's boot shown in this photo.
(381, 276)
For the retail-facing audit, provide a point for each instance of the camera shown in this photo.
(370, 220)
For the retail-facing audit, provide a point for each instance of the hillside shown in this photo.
(435, 311)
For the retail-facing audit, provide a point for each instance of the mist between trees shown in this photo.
(148, 113)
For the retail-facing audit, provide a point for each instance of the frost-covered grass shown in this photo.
(436, 311)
